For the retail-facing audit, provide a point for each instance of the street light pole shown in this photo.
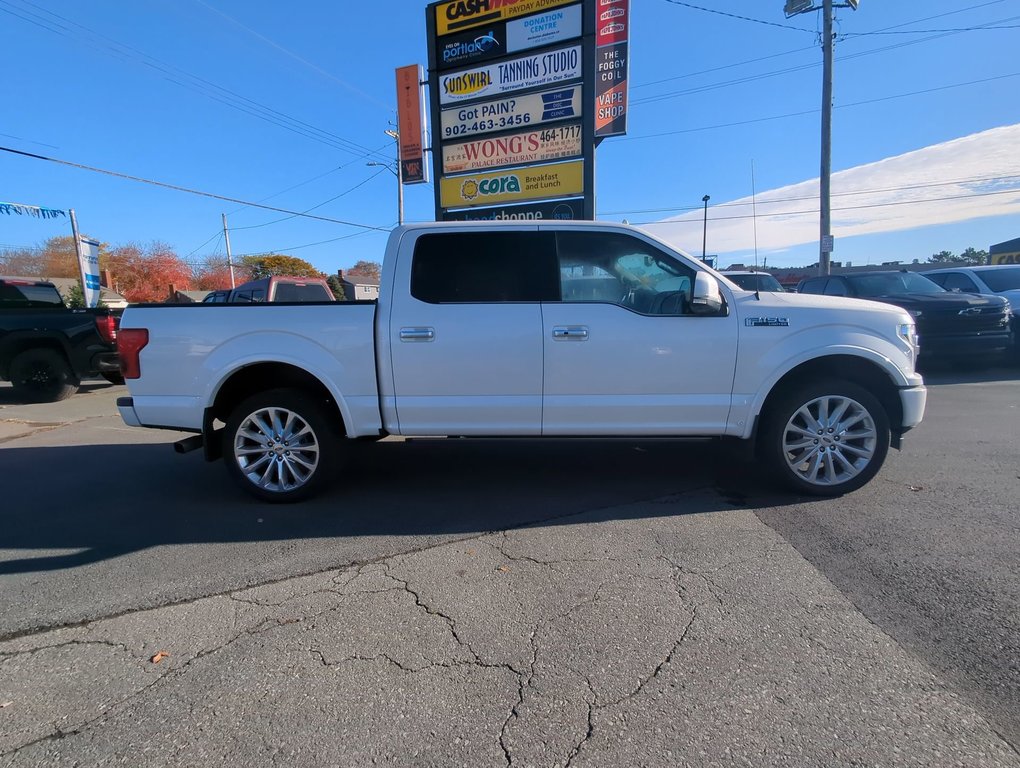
(400, 178)
(704, 231)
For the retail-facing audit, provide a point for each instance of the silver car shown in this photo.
(994, 280)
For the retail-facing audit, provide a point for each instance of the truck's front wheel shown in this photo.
(280, 445)
(43, 376)
(826, 438)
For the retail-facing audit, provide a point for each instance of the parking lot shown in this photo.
(518, 602)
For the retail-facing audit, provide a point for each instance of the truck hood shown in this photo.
(941, 301)
(781, 301)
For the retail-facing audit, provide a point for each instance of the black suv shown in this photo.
(948, 324)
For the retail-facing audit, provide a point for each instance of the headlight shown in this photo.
(908, 332)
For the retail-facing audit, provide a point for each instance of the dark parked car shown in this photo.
(948, 324)
(755, 281)
(46, 349)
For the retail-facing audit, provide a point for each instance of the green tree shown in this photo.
(278, 264)
(333, 281)
(970, 257)
(75, 298)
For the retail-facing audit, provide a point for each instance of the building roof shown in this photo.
(107, 296)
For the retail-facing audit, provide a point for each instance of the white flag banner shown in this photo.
(88, 262)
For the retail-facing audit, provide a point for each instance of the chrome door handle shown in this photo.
(570, 333)
(417, 334)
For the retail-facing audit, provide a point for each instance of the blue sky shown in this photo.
(147, 90)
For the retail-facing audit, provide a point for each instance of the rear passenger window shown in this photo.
(301, 292)
(472, 267)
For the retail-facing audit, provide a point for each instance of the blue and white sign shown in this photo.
(515, 112)
(543, 28)
(88, 262)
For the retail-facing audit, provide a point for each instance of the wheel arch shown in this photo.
(251, 379)
(862, 371)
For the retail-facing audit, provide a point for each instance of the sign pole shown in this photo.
(78, 254)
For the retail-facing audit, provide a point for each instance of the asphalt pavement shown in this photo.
(456, 602)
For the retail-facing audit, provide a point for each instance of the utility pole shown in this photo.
(825, 220)
(793, 8)
(230, 261)
(704, 231)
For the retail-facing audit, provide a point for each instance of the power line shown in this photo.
(319, 205)
(193, 83)
(295, 56)
(186, 189)
(814, 212)
(742, 18)
(927, 31)
(775, 73)
(815, 111)
(773, 201)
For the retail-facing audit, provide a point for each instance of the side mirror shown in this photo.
(707, 300)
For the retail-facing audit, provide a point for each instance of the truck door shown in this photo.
(465, 332)
(624, 355)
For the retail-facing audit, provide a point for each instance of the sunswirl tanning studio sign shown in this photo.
(512, 75)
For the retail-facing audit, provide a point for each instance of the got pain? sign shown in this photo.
(518, 185)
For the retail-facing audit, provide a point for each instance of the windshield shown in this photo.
(1006, 279)
(761, 282)
(892, 284)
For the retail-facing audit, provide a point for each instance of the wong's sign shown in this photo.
(536, 146)
(518, 185)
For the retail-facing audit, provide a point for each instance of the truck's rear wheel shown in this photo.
(43, 376)
(826, 438)
(281, 446)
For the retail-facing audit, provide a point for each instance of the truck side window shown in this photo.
(835, 287)
(472, 267)
(619, 269)
(956, 281)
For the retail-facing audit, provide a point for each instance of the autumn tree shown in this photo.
(56, 258)
(24, 262)
(278, 264)
(146, 274)
(214, 274)
(365, 269)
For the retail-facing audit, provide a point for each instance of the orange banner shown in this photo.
(410, 117)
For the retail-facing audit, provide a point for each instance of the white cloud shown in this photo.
(941, 184)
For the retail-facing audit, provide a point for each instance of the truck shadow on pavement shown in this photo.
(149, 497)
(9, 397)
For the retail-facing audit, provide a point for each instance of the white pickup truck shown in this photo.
(528, 329)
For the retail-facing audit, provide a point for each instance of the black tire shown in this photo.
(114, 377)
(295, 462)
(825, 456)
(43, 376)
